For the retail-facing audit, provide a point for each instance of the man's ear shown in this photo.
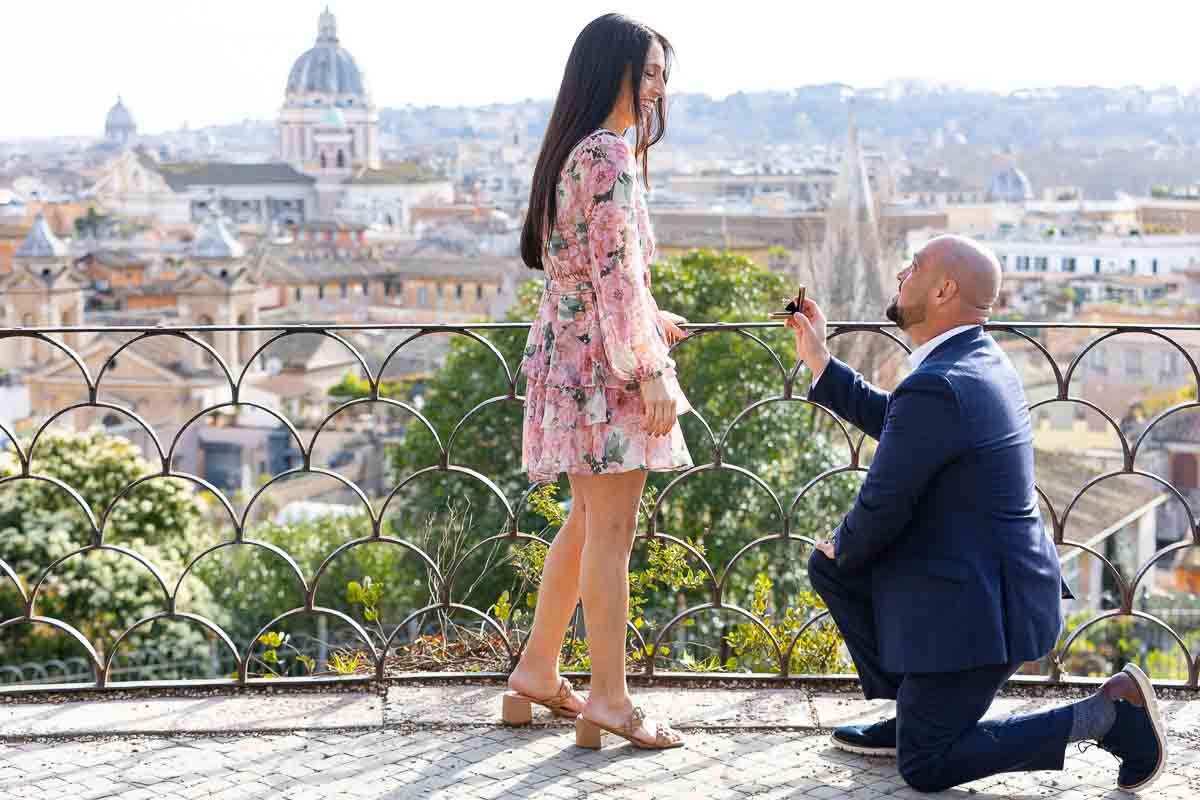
(948, 291)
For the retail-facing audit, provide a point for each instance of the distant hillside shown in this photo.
(1070, 115)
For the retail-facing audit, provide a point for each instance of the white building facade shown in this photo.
(1103, 255)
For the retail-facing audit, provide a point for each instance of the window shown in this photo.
(1133, 361)
(423, 296)
(1132, 266)
(321, 292)
(1003, 261)
(1096, 266)
(478, 292)
(345, 290)
(299, 292)
(1068, 264)
(1154, 266)
(1041, 263)
(458, 292)
(1022, 263)
(366, 286)
(1169, 365)
(1184, 471)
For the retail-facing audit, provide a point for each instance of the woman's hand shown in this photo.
(670, 325)
(660, 407)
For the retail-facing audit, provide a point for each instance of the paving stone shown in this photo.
(192, 715)
(494, 763)
(480, 705)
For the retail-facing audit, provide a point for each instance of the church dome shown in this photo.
(327, 68)
(1010, 185)
(119, 120)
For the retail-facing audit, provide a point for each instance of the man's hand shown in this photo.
(809, 325)
(828, 549)
(670, 325)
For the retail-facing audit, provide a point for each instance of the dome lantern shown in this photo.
(327, 28)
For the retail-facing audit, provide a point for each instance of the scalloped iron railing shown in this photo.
(222, 348)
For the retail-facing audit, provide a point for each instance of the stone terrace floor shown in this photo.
(443, 742)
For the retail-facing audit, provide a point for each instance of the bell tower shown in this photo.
(43, 290)
(220, 290)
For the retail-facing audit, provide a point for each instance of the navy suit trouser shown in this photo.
(940, 740)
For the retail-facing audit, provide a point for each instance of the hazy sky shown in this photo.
(209, 61)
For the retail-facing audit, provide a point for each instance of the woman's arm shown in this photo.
(627, 312)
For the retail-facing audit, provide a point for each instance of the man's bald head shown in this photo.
(974, 270)
(951, 281)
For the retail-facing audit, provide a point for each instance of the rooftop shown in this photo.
(402, 172)
(181, 176)
(41, 242)
(293, 267)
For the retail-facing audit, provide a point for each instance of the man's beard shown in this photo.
(903, 318)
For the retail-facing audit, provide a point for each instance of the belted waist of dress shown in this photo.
(569, 287)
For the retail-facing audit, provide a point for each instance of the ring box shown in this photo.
(793, 306)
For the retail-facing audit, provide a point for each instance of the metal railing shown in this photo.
(102, 662)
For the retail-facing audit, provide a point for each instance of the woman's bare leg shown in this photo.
(537, 674)
(612, 515)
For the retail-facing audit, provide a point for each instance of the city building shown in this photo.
(1096, 255)
(328, 118)
(120, 130)
(810, 188)
(935, 188)
(1169, 214)
(329, 166)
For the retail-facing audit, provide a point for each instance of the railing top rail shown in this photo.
(426, 326)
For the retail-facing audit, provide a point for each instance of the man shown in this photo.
(941, 577)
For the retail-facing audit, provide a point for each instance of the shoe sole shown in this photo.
(1160, 730)
(878, 752)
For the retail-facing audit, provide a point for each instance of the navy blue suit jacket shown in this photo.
(963, 574)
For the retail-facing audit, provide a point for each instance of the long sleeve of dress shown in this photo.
(628, 315)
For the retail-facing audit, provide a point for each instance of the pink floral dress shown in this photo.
(597, 334)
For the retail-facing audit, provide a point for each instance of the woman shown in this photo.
(602, 397)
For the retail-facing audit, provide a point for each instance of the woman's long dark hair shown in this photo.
(603, 51)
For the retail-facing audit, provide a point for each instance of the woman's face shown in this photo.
(654, 78)
(653, 86)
